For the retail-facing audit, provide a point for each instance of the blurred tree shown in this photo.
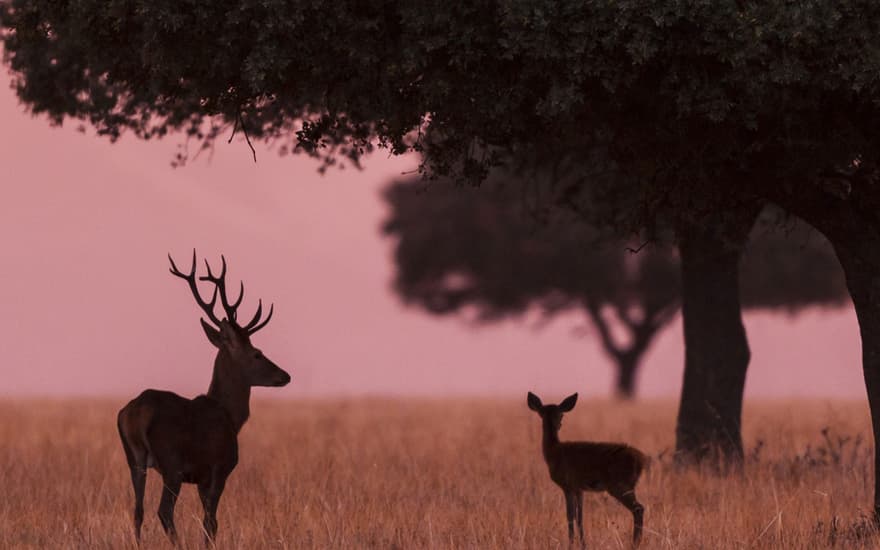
(702, 111)
(483, 249)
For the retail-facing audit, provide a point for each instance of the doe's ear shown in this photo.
(535, 402)
(568, 403)
(212, 333)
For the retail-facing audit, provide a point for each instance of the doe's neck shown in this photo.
(550, 439)
(229, 388)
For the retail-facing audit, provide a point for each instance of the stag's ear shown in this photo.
(568, 403)
(535, 402)
(212, 333)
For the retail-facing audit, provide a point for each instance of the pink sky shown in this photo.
(88, 305)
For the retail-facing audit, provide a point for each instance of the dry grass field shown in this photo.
(463, 473)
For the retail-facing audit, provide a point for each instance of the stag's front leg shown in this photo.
(170, 490)
(210, 493)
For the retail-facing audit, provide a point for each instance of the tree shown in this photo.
(706, 110)
(483, 248)
(489, 250)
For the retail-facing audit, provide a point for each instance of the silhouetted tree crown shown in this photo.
(680, 96)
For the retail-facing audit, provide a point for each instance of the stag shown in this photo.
(578, 466)
(196, 440)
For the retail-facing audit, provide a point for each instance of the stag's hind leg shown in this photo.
(139, 481)
(210, 493)
(627, 497)
(137, 464)
(170, 489)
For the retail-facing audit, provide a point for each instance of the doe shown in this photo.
(196, 440)
(578, 466)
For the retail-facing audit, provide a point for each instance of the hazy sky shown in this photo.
(87, 305)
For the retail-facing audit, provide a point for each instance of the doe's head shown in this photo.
(233, 340)
(552, 414)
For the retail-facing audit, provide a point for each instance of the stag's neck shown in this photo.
(550, 440)
(230, 390)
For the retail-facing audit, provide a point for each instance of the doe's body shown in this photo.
(578, 466)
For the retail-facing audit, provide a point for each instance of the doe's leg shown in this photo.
(579, 508)
(569, 514)
(627, 497)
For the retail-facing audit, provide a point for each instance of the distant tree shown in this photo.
(486, 249)
(482, 248)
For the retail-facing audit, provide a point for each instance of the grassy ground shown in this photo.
(373, 473)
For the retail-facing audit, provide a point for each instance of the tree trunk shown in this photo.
(716, 350)
(850, 221)
(625, 384)
(848, 216)
(859, 255)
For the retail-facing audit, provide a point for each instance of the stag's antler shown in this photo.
(207, 307)
(219, 282)
(253, 326)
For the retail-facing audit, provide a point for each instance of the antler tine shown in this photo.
(207, 307)
(240, 296)
(175, 271)
(220, 283)
(253, 327)
(226, 305)
(256, 318)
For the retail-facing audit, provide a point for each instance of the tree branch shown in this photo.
(608, 344)
(246, 136)
(637, 249)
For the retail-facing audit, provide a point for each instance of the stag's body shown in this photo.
(196, 440)
(191, 438)
(578, 466)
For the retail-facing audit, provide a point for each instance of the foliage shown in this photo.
(693, 101)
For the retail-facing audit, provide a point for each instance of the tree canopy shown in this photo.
(680, 95)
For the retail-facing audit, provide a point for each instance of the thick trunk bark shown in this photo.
(850, 221)
(716, 350)
(859, 255)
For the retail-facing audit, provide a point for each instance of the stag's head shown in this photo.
(232, 339)
(552, 414)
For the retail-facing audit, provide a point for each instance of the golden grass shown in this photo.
(463, 473)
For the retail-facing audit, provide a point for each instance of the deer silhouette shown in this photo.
(578, 466)
(196, 440)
